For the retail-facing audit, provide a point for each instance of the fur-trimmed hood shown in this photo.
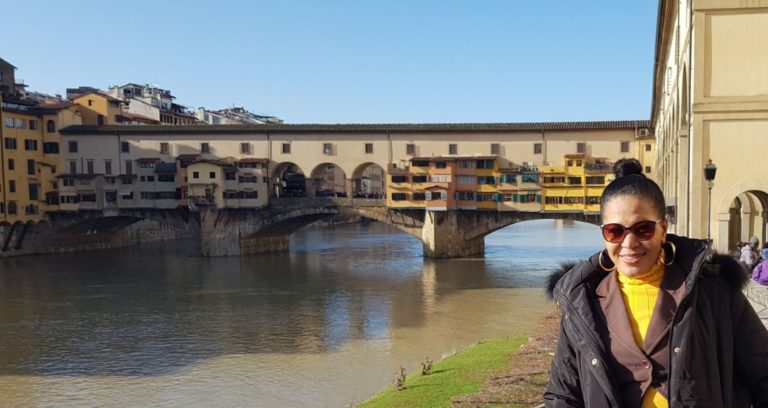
(694, 256)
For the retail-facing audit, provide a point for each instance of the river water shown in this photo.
(326, 324)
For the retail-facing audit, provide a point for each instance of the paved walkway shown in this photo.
(758, 296)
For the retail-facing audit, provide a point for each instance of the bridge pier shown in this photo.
(444, 236)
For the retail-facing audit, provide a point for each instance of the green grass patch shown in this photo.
(460, 374)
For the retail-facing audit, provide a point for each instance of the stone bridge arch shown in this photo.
(232, 232)
(88, 230)
(739, 213)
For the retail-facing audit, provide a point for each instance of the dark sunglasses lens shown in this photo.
(613, 232)
(644, 229)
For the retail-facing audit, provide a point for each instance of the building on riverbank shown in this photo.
(710, 101)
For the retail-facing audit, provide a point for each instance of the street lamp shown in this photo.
(709, 173)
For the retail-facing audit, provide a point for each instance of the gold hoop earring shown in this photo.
(672, 249)
(600, 262)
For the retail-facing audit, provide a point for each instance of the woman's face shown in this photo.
(633, 256)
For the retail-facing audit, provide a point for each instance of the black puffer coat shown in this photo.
(718, 346)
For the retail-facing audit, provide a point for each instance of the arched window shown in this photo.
(51, 125)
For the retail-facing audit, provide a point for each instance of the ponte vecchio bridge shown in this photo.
(436, 181)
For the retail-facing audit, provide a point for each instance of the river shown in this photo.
(327, 323)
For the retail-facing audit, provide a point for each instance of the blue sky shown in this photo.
(351, 61)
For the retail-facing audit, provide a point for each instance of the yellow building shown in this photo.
(98, 109)
(21, 154)
(576, 185)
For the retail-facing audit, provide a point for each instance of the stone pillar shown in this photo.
(217, 238)
(444, 238)
(349, 187)
(721, 232)
(747, 222)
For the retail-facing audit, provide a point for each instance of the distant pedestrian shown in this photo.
(760, 273)
(749, 255)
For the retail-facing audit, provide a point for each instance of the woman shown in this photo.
(654, 319)
(760, 273)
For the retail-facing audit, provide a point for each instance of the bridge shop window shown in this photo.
(484, 197)
(369, 148)
(166, 178)
(593, 200)
(486, 180)
(537, 148)
(195, 174)
(419, 196)
(484, 164)
(596, 180)
(420, 163)
(286, 148)
(441, 165)
(464, 195)
(436, 196)
(399, 196)
(554, 179)
(508, 178)
(399, 179)
(230, 175)
(419, 179)
(110, 196)
(453, 148)
(573, 200)
(466, 164)
(410, 149)
(211, 174)
(574, 181)
(465, 179)
(553, 200)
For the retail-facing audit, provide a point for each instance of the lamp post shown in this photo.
(709, 173)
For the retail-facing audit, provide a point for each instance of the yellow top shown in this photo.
(640, 293)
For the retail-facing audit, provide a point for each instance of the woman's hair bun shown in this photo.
(627, 167)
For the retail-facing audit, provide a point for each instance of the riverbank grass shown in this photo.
(460, 374)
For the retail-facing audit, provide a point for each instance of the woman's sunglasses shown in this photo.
(643, 230)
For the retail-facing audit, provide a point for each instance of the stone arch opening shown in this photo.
(288, 180)
(740, 216)
(369, 181)
(328, 180)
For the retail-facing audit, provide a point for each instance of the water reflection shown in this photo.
(355, 297)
